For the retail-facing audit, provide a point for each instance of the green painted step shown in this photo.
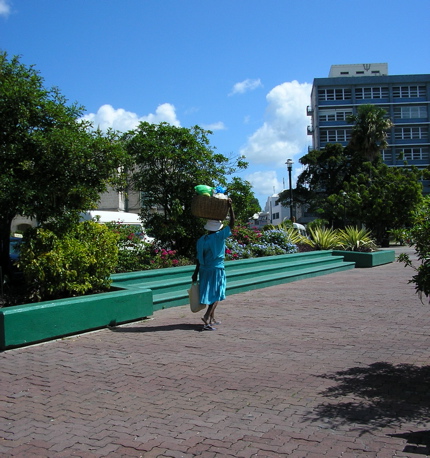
(241, 280)
(235, 269)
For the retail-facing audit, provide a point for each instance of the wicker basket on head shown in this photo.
(209, 207)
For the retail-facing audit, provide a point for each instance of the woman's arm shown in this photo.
(196, 271)
(232, 217)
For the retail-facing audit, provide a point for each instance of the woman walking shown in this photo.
(210, 266)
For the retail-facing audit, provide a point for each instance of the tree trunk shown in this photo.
(5, 225)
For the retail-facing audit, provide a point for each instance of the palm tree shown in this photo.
(369, 134)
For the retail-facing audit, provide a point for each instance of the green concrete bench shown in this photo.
(142, 293)
(30, 323)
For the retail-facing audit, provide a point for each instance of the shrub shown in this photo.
(133, 252)
(251, 243)
(354, 239)
(136, 254)
(317, 223)
(161, 258)
(245, 235)
(322, 238)
(419, 236)
(399, 235)
(71, 264)
(265, 249)
(235, 250)
(281, 238)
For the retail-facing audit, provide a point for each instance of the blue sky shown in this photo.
(243, 69)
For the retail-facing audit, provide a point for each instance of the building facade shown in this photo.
(406, 98)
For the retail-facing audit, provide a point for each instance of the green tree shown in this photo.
(385, 201)
(369, 134)
(325, 172)
(51, 164)
(418, 235)
(244, 201)
(168, 162)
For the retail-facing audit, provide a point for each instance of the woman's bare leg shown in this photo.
(207, 316)
(212, 312)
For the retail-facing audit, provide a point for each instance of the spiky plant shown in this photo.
(355, 239)
(322, 239)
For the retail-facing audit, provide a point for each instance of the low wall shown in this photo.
(372, 259)
(143, 292)
(31, 323)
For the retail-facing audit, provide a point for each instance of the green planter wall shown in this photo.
(31, 323)
(142, 293)
(373, 259)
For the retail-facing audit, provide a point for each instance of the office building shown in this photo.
(406, 98)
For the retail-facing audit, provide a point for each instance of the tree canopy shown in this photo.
(352, 185)
(167, 163)
(51, 163)
(369, 134)
(244, 201)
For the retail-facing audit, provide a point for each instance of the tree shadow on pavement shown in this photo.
(377, 396)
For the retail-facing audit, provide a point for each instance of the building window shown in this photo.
(410, 133)
(409, 92)
(334, 115)
(410, 112)
(325, 95)
(386, 155)
(275, 215)
(335, 135)
(415, 154)
(362, 93)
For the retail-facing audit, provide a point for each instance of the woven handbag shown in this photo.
(193, 294)
(209, 207)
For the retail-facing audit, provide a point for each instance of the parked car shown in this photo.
(129, 219)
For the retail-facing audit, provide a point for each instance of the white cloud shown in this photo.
(215, 126)
(265, 183)
(284, 133)
(122, 120)
(4, 8)
(246, 86)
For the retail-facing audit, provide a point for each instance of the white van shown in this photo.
(103, 216)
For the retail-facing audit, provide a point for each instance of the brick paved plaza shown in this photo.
(333, 366)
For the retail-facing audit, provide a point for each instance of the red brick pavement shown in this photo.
(334, 366)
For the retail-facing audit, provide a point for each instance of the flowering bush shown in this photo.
(166, 258)
(136, 254)
(265, 249)
(279, 238)
(251, 243)
(235, 250)
(245, 235)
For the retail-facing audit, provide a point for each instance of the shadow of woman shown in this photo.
(169, 327)
(419, 440)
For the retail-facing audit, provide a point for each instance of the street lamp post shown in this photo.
(290, 168)
(344, 208)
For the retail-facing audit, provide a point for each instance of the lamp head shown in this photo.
(289, 163)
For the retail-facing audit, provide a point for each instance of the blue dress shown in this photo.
(210, 254)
